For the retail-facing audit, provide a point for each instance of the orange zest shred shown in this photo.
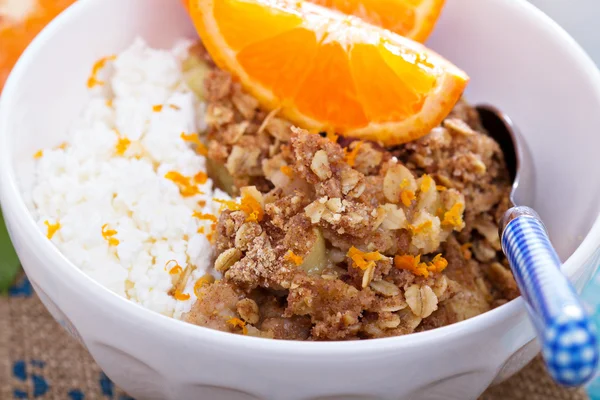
(421, 227)
(109, 103)
(438, 264)
(426, 183)
(363, 260)
(465, 250)
(98, 65)
(407, 197)
(122, 145)
(453, 217)
(52, 228)
(292, 257)
(38, 154)
(92, 81)
(238, 323)
(176, 269)
(414, 264)
(181, 296)
(350, 156)
(200, 178)
(101, 63)
(249, 205)
(177, 178)
(157, 108)
(203, 281)
(61, 146)
(174, 107)
(108, 234)
(252, 207)
(186, 187)
(201, 203)
(332, 137)
(205, 217)
(441, 188)
(287, 170)
(227, 204)
(201, 149)
(192, 138)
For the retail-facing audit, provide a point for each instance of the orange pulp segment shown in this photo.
(414, 19)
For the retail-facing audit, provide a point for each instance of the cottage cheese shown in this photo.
(103, 197)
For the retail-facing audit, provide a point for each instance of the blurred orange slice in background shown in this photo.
(20, 22)
(327, 71)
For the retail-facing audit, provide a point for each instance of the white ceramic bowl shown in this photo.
(518, 60)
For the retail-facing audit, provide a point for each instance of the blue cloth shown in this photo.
(29, 377)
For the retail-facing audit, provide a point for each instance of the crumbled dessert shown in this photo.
(338, 239)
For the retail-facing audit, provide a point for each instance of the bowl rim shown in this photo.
(16, 211)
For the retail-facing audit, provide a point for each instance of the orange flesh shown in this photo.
(395, 15)
(341, 81)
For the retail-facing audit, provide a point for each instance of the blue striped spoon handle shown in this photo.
(566, 332)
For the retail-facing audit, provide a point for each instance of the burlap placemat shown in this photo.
(38, 360)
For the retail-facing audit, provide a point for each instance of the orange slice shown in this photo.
(20, 22)
(414, 19)
(329, 72)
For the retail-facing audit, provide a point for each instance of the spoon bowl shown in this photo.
(517, 155)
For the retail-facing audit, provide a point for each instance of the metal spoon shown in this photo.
(565, 331)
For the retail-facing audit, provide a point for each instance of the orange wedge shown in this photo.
(414, 19)
(329, 72)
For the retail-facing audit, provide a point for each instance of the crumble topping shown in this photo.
(339, 239)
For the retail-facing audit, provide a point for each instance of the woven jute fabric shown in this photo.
(39, 360)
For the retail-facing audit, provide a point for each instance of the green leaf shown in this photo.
(9, 262)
